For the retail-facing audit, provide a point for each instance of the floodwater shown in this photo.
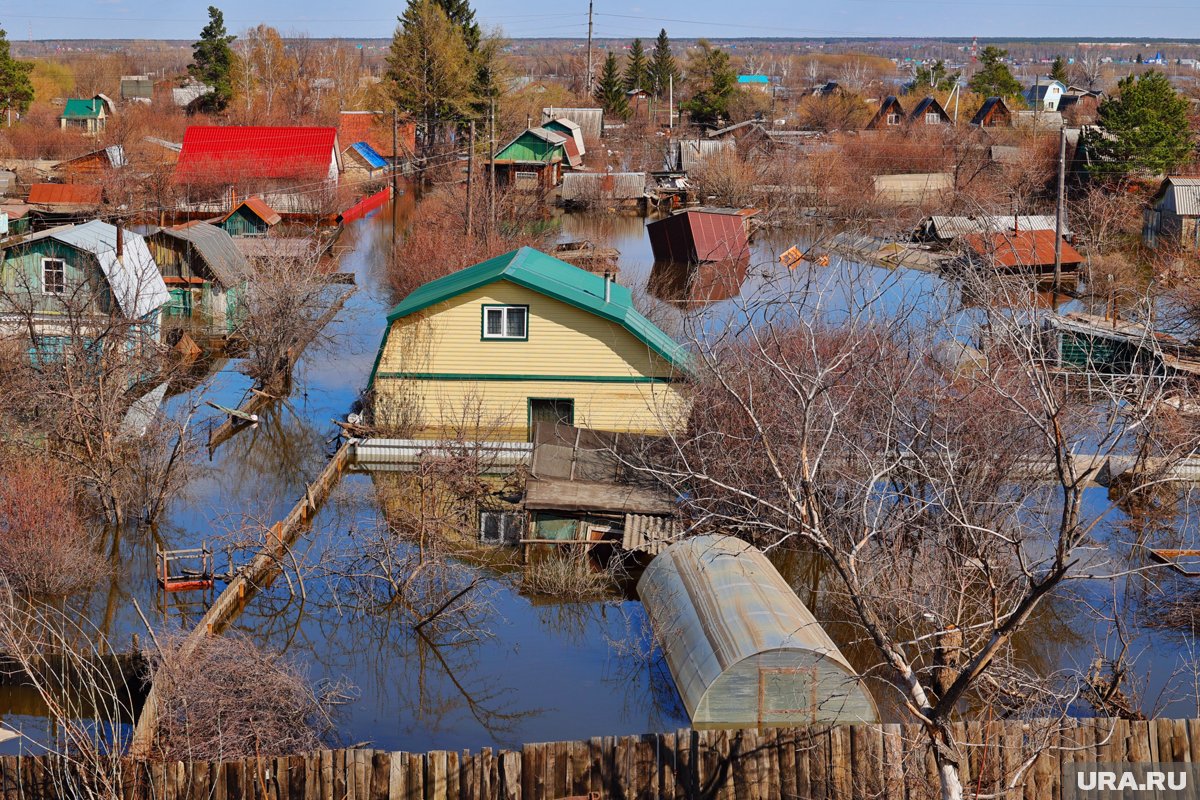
(528, 671)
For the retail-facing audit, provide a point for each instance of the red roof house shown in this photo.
(64, 194)
(225, 154)
(1020, 251)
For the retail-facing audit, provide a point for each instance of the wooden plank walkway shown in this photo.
(1002, 759)
(258, 574)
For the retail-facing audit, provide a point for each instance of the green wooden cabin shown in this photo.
(204, 271)
(251, 217)
(532, 161)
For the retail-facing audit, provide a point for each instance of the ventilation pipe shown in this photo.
(607, 285)
(120, 240)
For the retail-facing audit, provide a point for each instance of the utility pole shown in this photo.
(471, 180)
(671, 102)
(395, 177)
(1060, 209)
(589, 56)
(492, 166)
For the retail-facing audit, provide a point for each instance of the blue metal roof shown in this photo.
(753, 79)
(369, 155)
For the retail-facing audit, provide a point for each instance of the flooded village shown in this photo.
(460, 416)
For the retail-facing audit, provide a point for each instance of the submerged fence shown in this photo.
(848, 762)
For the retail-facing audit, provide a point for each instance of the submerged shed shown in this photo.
(742, 648)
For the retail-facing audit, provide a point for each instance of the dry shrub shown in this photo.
(726, 179)
(38, 135)
(227, 698)
(45, 547)
(914, 149)
(566, 577)
(437, 243)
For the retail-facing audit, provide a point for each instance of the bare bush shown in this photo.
(568, 577)
(228, 698)
(46, 549)
(727, 179)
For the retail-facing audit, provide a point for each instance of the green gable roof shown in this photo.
(533, 146)
(555, 279)
(82, 109)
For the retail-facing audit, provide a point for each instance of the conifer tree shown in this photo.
(1145, 128)
(994, 79)
(16, 89)
(712, 80)
(663, 70)
(1058, 70)
(637, 68)
(610, 90)
(213, 61)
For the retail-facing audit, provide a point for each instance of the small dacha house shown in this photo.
(1173, 217)
(491, 350)
(89, 115)
(204, 272)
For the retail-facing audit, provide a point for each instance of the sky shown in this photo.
(170, 19)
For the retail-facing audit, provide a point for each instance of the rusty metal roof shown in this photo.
(741, 646)
(64, 194)
(1014, 249)
(259, 208)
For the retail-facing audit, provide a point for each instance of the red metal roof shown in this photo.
(375, 128)
(225, 153)
(260, 209)
(64, 194)
(699, 235)
(1012, 249)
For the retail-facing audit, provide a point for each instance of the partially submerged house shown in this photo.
(1173, 216)
(993, 113)
(361, 162)
(1019, 251)
(533, 161)
(72, 280)
(295, 169)
(742, 648)
(204, 271)
(525, 338)
(250, 217)
(603, 189)
(89, 115)
(1109, 347)
(704, 234)
(92, 167)
(890, 114)
(948, 229)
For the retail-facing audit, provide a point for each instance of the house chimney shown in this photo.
(607, 286)
(120, 240)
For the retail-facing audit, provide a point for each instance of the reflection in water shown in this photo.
(692, 286)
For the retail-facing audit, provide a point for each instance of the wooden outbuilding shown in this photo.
(993, 113)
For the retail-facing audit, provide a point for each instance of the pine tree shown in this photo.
(213, 61)
(994, 79)
(1058, 70)
(460, 13)
(610, 91)
(663, 70)
(637, 68)
(1145, 128)
(430, 73)
(712, 81)
(16, 89)
(933, 77)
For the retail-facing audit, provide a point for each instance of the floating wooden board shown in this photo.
(1172, 558)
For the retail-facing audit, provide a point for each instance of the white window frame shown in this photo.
(504, 312)
(511, 525)
(63, 270)
(893, 118)
(933, 118)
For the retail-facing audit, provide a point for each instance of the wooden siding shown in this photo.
(244, 223)
(22, 278)
(438, 360)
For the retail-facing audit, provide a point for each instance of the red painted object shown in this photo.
(365, 206)
(700, 235)
(64, 194)
(226, 153)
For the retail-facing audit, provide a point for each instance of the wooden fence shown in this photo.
(859, 762)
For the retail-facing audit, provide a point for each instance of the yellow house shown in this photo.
(490, 350)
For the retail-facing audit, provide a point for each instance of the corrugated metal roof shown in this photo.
(556, 279)
(276, 247)
(649, 534)
(570, 128)
(603, 186)
(698, 235)
(229, 152)
(83, 108)
(114, 154)
(65, 194)
(1013, 249)
(216, 247)
(948, 228)
(589, 120)
(259, 208)
(135, 281)
(688, 154)
(184, 96)
(174, 147)
(373, 159)
(1186, 193)
(741, 646)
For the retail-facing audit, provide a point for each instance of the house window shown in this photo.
(893, 118)
(932, 118)
(506, 322)
(556, 411)
(525, 180)
(501, 527)
(54, 276)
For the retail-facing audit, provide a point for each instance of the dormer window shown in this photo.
(506, 322)
(893, 118)
(933, 118)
